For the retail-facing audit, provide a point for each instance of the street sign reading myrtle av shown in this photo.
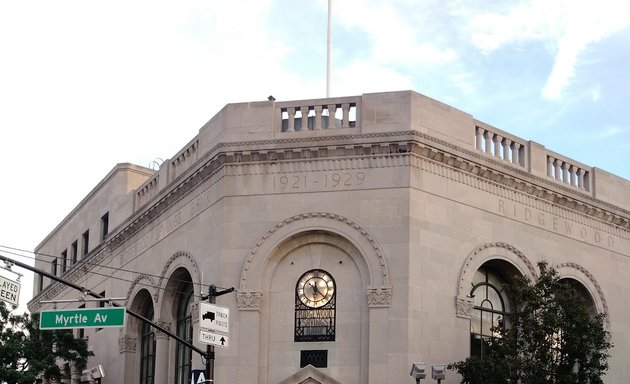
(83, 318)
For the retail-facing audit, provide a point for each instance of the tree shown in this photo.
(30, 355)
(550, 338)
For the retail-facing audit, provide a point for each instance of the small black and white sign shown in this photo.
(213, 338)
(214, 318)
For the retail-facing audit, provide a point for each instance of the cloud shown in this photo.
(567, 28)
(396, 37)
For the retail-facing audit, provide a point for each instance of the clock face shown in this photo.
(315, 288)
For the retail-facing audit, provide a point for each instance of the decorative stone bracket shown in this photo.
(126, 344)
(463, 306)
(248, 300)
(379, 296)
(159, 334)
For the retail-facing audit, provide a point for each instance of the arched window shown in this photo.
(491, 308)
(183, 354)
(315, 305)
(147, 349)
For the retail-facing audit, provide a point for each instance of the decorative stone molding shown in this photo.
(126, 344)
(248, 300)
(463, 306)
(568, 270)
(186, 260)
(379, 296)
(194, 311)
(159, 334)
(142, 282)
(486, 252)
(300, 222)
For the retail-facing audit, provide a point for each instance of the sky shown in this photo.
(85, 85)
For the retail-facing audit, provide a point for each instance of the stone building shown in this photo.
(354, 231)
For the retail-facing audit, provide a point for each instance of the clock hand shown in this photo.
(315, 289)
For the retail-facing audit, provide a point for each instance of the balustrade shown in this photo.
(500, 145)
(568, 173)
(318, 116)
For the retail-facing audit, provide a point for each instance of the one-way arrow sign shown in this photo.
(213, 338)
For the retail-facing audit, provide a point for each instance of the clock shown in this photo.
(315, 288)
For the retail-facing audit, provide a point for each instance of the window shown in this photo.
(40, 282)
(64, 261)
(183, 354)
(147, 350)
(73, 252)
(315, 305)
(104, 226)
(85, 241)
(53, 268)
(491, 308)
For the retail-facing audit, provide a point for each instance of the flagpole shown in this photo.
(329, 49)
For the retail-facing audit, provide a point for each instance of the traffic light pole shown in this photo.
(129, 312)
(212, 299)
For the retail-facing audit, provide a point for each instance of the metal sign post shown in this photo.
(212, 299)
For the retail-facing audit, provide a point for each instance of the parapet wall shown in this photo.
(384, 113)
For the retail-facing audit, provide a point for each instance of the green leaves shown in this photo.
(28, 354)
(552, 338)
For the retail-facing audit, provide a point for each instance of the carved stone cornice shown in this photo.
(248, 300)
(126, 344)
(379, 296)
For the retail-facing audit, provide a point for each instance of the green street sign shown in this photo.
(82, 318)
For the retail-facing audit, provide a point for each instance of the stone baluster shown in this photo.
(580, 179)
(497, 145)
(291, 125)
(304, 112)
(479, 138)
(557, 170)
(516, 155)
(550, 161)
(506, 143)
(573, 172)
(488, 138)
(345, 123)
(565, 172)
(318, 117)
(332, 121)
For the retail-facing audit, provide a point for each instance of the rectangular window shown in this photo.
(64, 261)
(53, 268)
(104, 226)
(73, 252)
(85, 241)
(40, 283)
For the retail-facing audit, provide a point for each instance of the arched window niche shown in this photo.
(491, 306)
(181, 287)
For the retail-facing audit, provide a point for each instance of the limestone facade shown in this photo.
(400, 198)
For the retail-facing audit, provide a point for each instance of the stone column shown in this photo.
(127, 348)
(249, 305)
(379, 301)
(162, 357)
